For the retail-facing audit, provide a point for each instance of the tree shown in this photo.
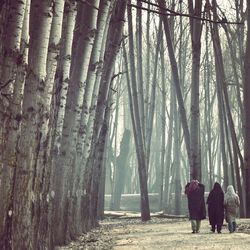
(247, 114)
(12, 74)
(33, 116)
(196, 30)
(93, 168)
(138, 129)
(84, 38)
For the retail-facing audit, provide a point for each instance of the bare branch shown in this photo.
(174, 13)
(116, 75)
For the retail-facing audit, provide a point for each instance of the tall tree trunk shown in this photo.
(208, 111)
(63, 71)
(65, 165)
(247, 114)
(147, 66)
(12, 132)
(91, 89)
(139, 69)
(59, 103)
(141, 154)
(196, 28)
(25, 196)
(114, 40)
(176, 177)
(96, 159)
(41, 232)
(10, 55)
(151, 110)
(177, 86)
(163, 129)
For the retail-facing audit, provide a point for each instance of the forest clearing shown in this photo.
(123, 105)
(161, 233)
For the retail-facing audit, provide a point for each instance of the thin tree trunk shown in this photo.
(163, 129)
(169, 149)
(196, 28)
(208, 111)
(152, 99)
(96, 159)
(139, 69)
(141, 154)
(247, 115)
(114, 40)
(176, 160)
(176, 79)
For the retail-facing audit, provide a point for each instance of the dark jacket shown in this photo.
(196, 203)
(215, 204)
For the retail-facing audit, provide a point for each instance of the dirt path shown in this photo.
(177, 235)
(160, 233)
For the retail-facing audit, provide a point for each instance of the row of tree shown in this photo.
(57, 61)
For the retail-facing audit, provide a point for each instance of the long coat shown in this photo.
(215, 203)
(196, 203)
(231, 206)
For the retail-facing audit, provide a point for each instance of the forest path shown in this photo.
(159, 233)
(176, 234)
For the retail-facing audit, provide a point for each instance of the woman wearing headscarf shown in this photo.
(231, 204)
(196, 204)
(215, 202)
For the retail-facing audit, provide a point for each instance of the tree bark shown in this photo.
(90, 90)
(25, 197)
(65, 165)
(246, 103)
(151, 110)
(114, 39)
(196, 28)
(141, 154)
(12, 131)
(176, 79)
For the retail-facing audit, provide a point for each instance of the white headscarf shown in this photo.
(230, 192)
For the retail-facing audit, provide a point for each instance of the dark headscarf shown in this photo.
(217, 187)
(194, 184)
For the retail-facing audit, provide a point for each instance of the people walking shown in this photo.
(196, 204)
(215, 202)
(231, 204)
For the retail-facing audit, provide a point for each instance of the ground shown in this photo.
(160, 233)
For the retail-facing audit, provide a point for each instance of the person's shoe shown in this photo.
(219, 232)
(193, 232)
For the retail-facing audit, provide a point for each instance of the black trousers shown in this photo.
(218, 228)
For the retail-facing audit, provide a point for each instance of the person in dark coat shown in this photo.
(196, 204)
(215, 202)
